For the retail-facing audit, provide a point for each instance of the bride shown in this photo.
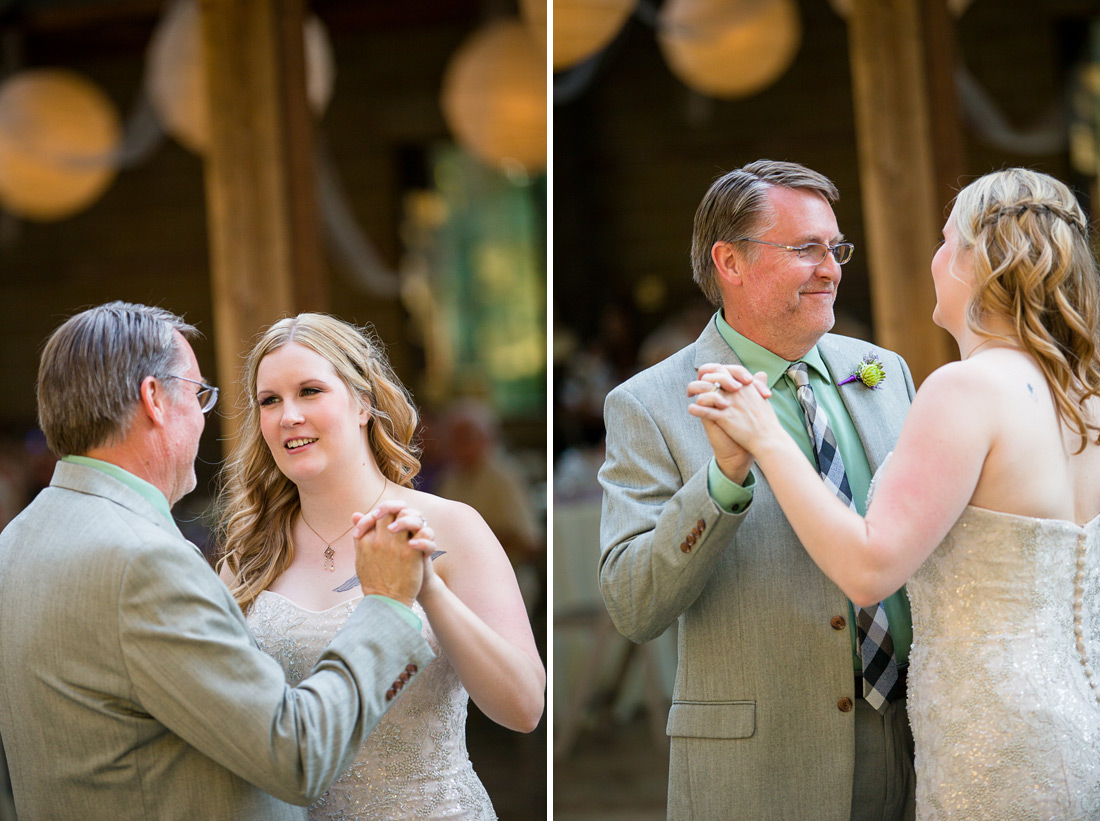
(325, 439)
(988, 507)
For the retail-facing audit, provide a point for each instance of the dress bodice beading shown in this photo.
(414, 764)
(1004, 694)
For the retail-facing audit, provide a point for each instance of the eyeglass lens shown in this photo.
(815, 252)
(208, 397)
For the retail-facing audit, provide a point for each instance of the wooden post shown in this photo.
(266, 253)
(910, 160)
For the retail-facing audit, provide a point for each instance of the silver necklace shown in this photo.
(330, 554)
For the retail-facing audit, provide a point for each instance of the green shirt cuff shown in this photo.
(727, 494)
(403, 610)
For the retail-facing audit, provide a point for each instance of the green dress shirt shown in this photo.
(735, 498)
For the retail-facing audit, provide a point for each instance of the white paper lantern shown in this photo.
(59, 135)
(175, 75)
(494, 96)
(584, 27)
(729, 48)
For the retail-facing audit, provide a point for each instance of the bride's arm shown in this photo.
(921, 493)
(474, 606)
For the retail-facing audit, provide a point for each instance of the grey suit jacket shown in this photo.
(755, 724)
(131, 688)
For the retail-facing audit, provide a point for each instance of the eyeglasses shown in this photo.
(207, 394)
(812, 252)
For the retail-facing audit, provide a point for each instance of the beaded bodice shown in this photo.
(414, 764)
(1004, 695)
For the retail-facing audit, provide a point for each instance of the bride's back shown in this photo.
(1032, 468)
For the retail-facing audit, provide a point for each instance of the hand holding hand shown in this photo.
(733, 460)
(732, 404)
(390, 542)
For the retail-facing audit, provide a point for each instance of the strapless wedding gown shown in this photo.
(1004, 680)
(414, 764)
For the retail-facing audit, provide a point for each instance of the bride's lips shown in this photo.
(298, 443)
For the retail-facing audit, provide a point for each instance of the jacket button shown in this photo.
(838, 622)
(411, 669)
(685, 547)
(844, 705)
(390, 693)
(691, 539)
(702, 525)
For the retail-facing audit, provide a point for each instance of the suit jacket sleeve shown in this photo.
(195, 667)
(661, 533)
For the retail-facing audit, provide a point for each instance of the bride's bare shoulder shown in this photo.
(446, 514)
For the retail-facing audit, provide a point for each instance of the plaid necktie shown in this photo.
(876, 647)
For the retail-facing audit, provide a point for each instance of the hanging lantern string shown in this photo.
(141, 136)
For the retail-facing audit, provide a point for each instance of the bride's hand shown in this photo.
(735, 401)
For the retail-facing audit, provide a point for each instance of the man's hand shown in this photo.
(733, 460)
(388, 559)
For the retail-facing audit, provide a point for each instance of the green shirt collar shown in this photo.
(148, 491)
(758, 358)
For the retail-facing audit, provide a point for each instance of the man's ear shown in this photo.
(154, 399)
(728, 262)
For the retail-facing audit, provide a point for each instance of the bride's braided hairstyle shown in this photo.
(1032, 264)
(258, 502)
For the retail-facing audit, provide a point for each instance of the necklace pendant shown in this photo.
(330, 565)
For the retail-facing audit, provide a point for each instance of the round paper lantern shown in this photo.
(729, 48)
(494, 96)
(175, 76)
(583, 27)
(58, 138)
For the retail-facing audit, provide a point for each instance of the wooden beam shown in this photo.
(910, 160)
(265, 243)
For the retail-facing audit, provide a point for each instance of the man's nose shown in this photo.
(829, 268)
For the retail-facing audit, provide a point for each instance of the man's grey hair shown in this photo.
(736, 206)
(92, 367)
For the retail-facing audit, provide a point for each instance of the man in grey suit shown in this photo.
(130, 686)
(770, 716)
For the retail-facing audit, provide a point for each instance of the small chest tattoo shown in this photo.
(353, 582)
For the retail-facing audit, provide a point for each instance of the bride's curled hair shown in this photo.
(1033, 265)
(258, 502)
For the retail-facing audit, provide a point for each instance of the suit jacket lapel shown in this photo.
(876, 414)
(711, 347)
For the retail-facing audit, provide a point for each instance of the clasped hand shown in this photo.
(735, 414)
(393, 544)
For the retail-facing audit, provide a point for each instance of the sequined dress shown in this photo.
(1004, 674)
(414, 764)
